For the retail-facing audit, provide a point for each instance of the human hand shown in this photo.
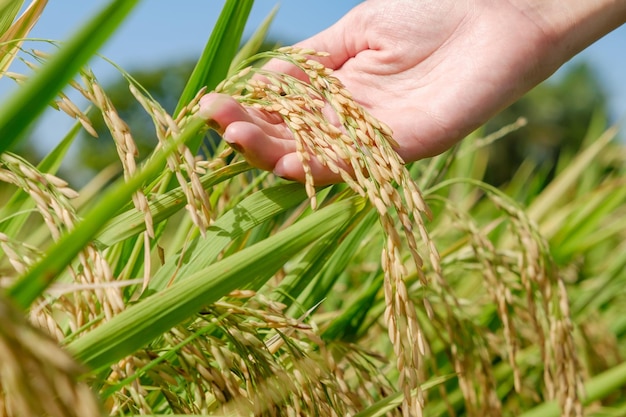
(432, 70)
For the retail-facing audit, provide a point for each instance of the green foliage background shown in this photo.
(302, 329)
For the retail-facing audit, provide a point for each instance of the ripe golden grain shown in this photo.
(38, 377)
(360, 150)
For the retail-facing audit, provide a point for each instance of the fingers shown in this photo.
(343, 41)
(262, 138)
(260, 149)
(264, 142)
(222, 110)
(290, 167)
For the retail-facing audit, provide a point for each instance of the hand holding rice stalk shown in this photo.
(359, 151)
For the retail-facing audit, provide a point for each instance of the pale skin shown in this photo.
(433, 70)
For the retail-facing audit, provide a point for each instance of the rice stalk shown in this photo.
(20, 255)
(51, 196)
(519, 277)
(187, 170)
(124, 143)
(186, 167)
(252, 358)
(538, 274)
(13, 29)
(94, 294)
(63, 102)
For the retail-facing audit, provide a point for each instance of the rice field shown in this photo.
(193, 284)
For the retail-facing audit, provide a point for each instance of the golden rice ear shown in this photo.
(361, 150)
(38, 377)
(52, 195)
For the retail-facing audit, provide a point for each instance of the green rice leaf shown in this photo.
(16, 211)
(130, 223)
(587, 216)
(609, 287)
(393, 401)
(146, 320)
(353, 315)
(12, 36)
(251, 212)
(255, 42)
(597, 388)
(556, 190)
(322, 266)
(8, 11)
(53, 160)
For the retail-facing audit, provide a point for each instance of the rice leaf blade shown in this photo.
(597, 388)
(130, 223)
(251, 212)
(322, 266)
(8, 11)
(11, 220)
(12, 37)
(254, 43)
(568, 177)
(146, 320)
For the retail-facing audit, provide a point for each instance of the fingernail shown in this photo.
(237, 147)
(283, 176)
(213, 125)
(207, 107)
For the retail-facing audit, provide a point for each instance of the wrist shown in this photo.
(569, 26)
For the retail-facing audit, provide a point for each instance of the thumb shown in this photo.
(342, 41)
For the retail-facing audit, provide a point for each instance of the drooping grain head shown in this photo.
(361, 150)
(37, 377)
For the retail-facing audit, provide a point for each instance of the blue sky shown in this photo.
(161, 31)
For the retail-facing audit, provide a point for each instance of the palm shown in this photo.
(432, 70)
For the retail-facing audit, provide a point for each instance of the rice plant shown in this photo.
(193, 284)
